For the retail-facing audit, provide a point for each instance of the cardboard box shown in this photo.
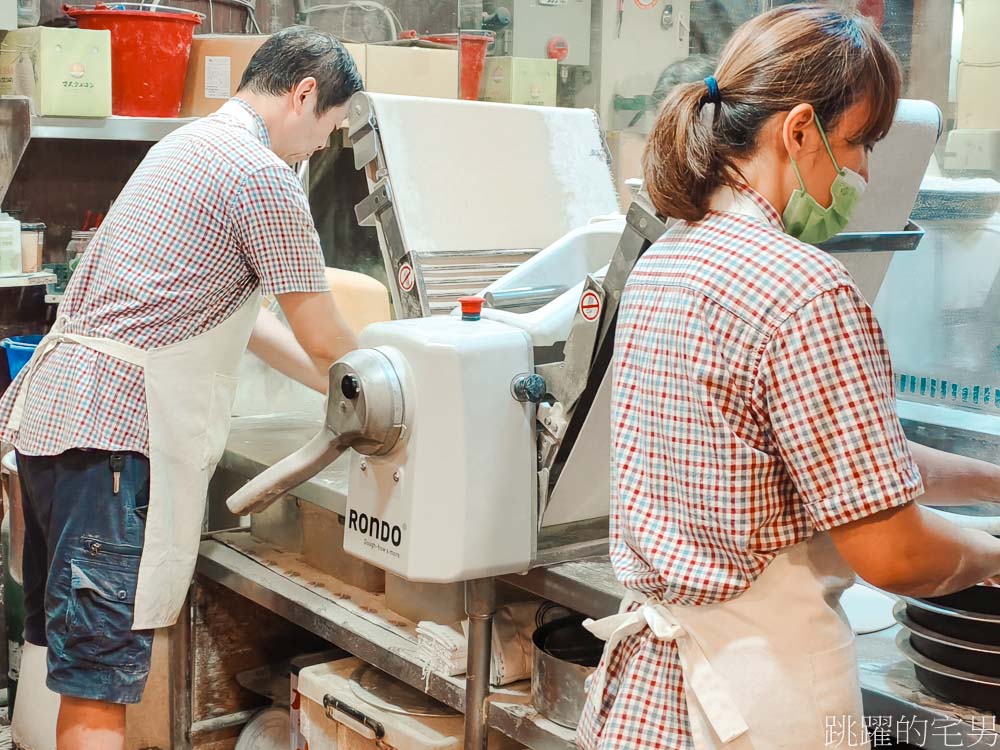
(360, 54)
(66, 72)
(980, 43)
(519, 80)
(214, 70)
(978, 105)
(10, 56)
(412, 71)
(626, 149)
(216, 67)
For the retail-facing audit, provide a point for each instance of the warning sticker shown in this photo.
(590, 306)
(406, 277)
(217, 77)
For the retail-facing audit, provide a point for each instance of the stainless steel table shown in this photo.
(892, 695)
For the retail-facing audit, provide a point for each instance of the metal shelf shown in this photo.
(875, 242)
(888, 685)
(148, 129)
(27, 279)
(510, 709)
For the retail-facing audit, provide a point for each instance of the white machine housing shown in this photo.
(457, 498)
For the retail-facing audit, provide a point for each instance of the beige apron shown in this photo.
(774, 667)
(190, 387)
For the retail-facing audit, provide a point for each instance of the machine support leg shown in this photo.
(480, 604)
(179, 650)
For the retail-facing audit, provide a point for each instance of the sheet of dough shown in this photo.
(481, 176)
(868, 610)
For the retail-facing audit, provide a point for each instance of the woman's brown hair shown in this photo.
(796, 53)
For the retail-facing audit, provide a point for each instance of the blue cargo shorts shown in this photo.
(81, 564)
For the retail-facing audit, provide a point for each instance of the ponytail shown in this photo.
(791, 55)
(680, 163)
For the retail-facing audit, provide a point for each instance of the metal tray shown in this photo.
(953, 685)
(968, 656)
(972, 615)
(875, 242)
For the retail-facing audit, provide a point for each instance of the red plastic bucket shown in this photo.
(472, 51)
(149, 55)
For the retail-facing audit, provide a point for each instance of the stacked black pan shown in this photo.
(954, 644)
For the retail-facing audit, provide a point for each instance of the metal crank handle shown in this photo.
(289, 473)
(364, 410)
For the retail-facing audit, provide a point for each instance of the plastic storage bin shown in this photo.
(19, 350)
(29, 12)
(334, 716)
(10, 245)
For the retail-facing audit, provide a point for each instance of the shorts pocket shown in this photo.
(135, 491)
(219, 416)
(100, 612)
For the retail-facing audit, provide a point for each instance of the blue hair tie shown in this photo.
(714, 95)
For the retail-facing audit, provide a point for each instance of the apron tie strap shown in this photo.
(699, 676)
(125, 352)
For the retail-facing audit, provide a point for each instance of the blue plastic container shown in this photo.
(19, 350)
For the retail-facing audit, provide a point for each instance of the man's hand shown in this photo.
(319, 336)
(950, 479)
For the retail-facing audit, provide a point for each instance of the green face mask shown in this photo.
(807, 220)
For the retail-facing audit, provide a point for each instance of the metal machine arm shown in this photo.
(365, 411)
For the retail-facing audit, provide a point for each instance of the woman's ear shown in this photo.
(797, 130)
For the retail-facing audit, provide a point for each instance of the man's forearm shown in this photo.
(950, 479)
(278, 347)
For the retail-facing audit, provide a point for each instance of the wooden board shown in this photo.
(230, 635)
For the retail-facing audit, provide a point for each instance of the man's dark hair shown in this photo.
(300, 52)
(686, 70)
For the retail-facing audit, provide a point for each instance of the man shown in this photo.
(123, 413)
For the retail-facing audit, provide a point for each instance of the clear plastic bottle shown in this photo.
(29, 12)
(77, 246)
(10, 245)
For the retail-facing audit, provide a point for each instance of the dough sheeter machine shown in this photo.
(479, 442)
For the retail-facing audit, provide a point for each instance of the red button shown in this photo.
(472, 307)
(557, 48)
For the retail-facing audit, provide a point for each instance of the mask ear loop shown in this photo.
(826, 142)
(798, 174)
(829, 150)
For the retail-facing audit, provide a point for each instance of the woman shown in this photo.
(759, 460)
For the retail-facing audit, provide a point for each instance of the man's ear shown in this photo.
(301, 92)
